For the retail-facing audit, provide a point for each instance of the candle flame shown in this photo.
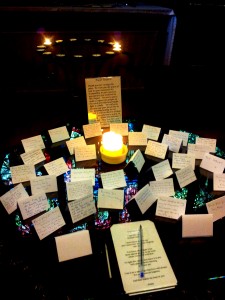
(112, 141)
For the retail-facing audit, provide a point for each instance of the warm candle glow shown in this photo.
(112, 141)
(92, 117)
(113, 151)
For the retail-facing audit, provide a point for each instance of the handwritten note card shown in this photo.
(211, 143)
(82, 174)
(104, 98)
(138, 160)
(67, 248)
(44, 184)
(113, 179)
(33, 143)
(22, 173)
(82, 208)
(87, 152)
(198, 150)
(120, 128)
(162, 170)
(111, 199)
(181, 160)
(181, 135)
(219, 182)
(78, 141)
(33, 205)
(186, 176)
(92, 130)
(79, 189)
(9, 199)
(152, 132)
(156, 149)
(56, 167)
(169, 207)
(217, 208)
(33, 157)
(58, 134)
(163, 187)
(197, 225)
(212, 163)
(174, 143)
(144, 198)
(48, 223)
(137, 138)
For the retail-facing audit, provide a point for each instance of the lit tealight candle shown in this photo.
(92, 118)
(113, 151)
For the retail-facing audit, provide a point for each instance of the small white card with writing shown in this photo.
(59, 134)
(185, 176)
(43, 184)
(82, 208)
(78, 141)
(22, 173)
(181, 160)
(217, 208)
(33, 205)
(33, 157)
(156, 149)
(56, 167)
(82, 174)
(212, 163)
(174, 143)
(197, 225)
(211, 143)
(144, 198)
(138, 160)
(48, 223)
(113, 179)
(33, 143)
(92, 130)
(163, 187)
(219, 182)
(198, 150)
(181, 135)
(111, 199)
(162, 170)
(9, 199)
(152, 132)
(120, 128)
(79, 189)
(169, 207)
(87, 152)
(137, 138)
(67, 245)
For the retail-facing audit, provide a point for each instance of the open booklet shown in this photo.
(143, 263)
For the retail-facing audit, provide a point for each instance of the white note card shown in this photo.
(119, 128)
(59, 134)
(156, 149)
(33, 205)
(22, 173)
(152, 132)
(110, 199)
(186, 176)
(44, 184)
(170, 207)
(82, 174)
(182, 160)
(113, 179)
(92, 130)
(79, 189)
(163, 187)
(48, 223)
(197, 225)
(219, 182)
(144, 198)
(9, 199)
(82, 208)
(73, 245)
(212, 163)
(174, 143)
(138, 160)
(137, 138)
(33, 157)
(78, 141)
(87, 152)
(56, 167)
(33, 143)
(217, 208)
(181, 135)
(211, 143)
(162, 170)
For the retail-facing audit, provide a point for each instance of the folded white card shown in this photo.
(197, 225)
(73, 245)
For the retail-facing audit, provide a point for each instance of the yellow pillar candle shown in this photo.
(92, 118)
(113, 151)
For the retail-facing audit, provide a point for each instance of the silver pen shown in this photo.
(141, 253)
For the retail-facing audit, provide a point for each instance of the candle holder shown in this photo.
(113, 158)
